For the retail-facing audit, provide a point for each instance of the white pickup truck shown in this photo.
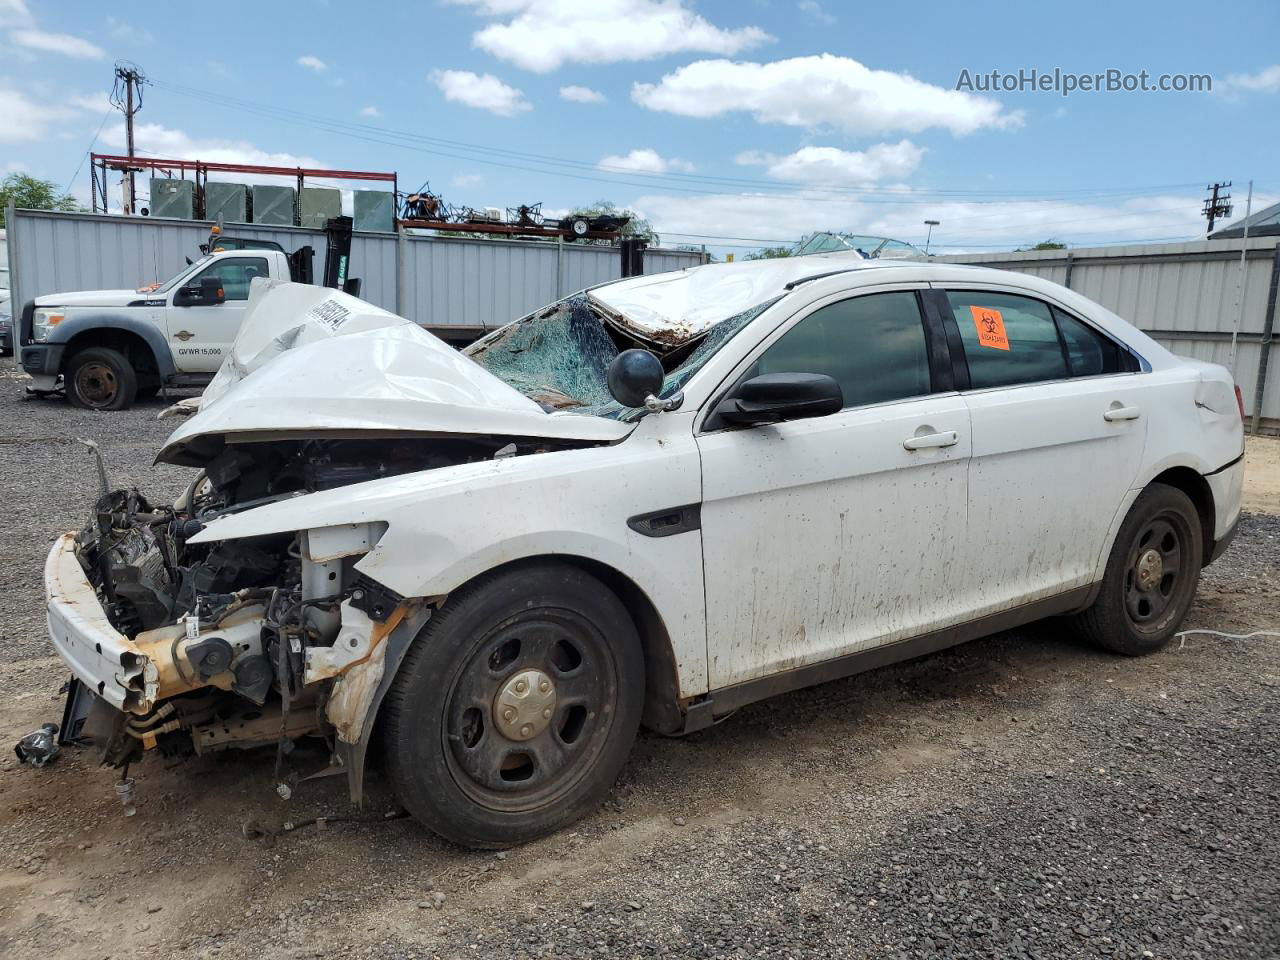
(112, 347)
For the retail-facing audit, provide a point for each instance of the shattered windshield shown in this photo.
(560, 356)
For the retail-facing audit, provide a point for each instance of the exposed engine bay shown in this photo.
(249, 638)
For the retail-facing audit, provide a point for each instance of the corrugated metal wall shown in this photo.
(446, 281)
(1185, 295)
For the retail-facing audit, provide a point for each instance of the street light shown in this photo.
(931, 224)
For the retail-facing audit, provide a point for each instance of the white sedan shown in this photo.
(654, 501)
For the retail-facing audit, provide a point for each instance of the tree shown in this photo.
(28, 193)
(637, 227)
(769, 253)
(1050, 244)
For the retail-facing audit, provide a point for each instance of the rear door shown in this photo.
(199, 335)
(825, 536)
(1056, 408)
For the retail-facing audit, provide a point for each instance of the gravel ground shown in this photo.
(1021, 796)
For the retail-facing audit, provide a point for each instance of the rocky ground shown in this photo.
(1022, 796)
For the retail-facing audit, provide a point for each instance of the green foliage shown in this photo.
(637, 227)
(1050, 244)
(28, 193)
(769, 253)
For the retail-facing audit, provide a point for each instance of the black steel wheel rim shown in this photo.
(1157, 567)
(96, 384)
(492, 763)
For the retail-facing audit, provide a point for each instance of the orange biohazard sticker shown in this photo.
(990, 326)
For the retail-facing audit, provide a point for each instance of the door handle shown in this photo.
(1121, 413)
(948, 438)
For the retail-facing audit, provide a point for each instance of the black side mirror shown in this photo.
(774, 397)
(204, 293)
(634, 375)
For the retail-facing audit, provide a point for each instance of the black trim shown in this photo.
(941, 370)
(25, 321)
(668, 522)
(727, 699)
(1220, 545)
(817, 276)
(959, 363)
(1225, 466)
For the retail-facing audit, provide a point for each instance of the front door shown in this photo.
(199, 335)
(1058, 437)
(825, 536)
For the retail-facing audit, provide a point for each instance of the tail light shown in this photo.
(1240, 402)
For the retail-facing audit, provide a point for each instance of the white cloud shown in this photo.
(813, 10)
(482, 91)
(542, 35)
(466, 180)
(312, 63)
(124, 30)
(645, 161)
(818, 91)
(14, 13)
(832, 166)
(63, 43)
(155, 140)
(578, 94)
(371, 111)
(1265, 81)
(784, 217)
(22, 119)
(98, 103)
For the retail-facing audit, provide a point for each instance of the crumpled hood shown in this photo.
(314, 362)
(90, 298)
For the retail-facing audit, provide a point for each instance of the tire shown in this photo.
(99, 378)
(565, 734)
(1151, 575)
(580, 227)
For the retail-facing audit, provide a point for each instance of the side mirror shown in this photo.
(774, 397)
(634, 376)
(204, 293)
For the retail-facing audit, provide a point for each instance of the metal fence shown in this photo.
(451, 285)
(1187, 296)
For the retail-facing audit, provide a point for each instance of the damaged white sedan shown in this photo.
(654, 501)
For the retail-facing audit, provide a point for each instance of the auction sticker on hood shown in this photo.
(990, 326)
(329, 313)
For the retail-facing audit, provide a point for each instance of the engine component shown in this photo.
(38, 747)
(253, 678)
(232, 565)
(210, 657)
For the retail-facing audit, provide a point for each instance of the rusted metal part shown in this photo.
(358, 636)
(252, 727)
(353, 691)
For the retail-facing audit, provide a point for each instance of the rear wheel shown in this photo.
(1151, 575)
(99, 378)
(516, 707)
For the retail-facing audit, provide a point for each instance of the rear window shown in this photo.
(1008, 339)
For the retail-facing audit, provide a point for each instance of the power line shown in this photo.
(685, 183)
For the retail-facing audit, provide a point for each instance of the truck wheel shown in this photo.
(1151, 575)
(100, 378)
(516, 706)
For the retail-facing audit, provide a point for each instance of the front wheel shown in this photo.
(99, 378)
(1151, 575)
(516, 706)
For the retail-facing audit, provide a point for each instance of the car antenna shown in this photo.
(102, 469)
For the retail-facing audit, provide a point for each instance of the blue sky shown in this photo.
(724, 123)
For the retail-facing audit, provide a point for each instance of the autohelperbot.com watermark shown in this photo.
(1065, 83)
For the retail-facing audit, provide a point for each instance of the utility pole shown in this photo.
(1217, 206)
(127, 95)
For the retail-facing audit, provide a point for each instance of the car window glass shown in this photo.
(873, 346)
(236, 275)
(1090, 352)
(1008, 339)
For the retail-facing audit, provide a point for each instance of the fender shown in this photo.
(152, 335)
